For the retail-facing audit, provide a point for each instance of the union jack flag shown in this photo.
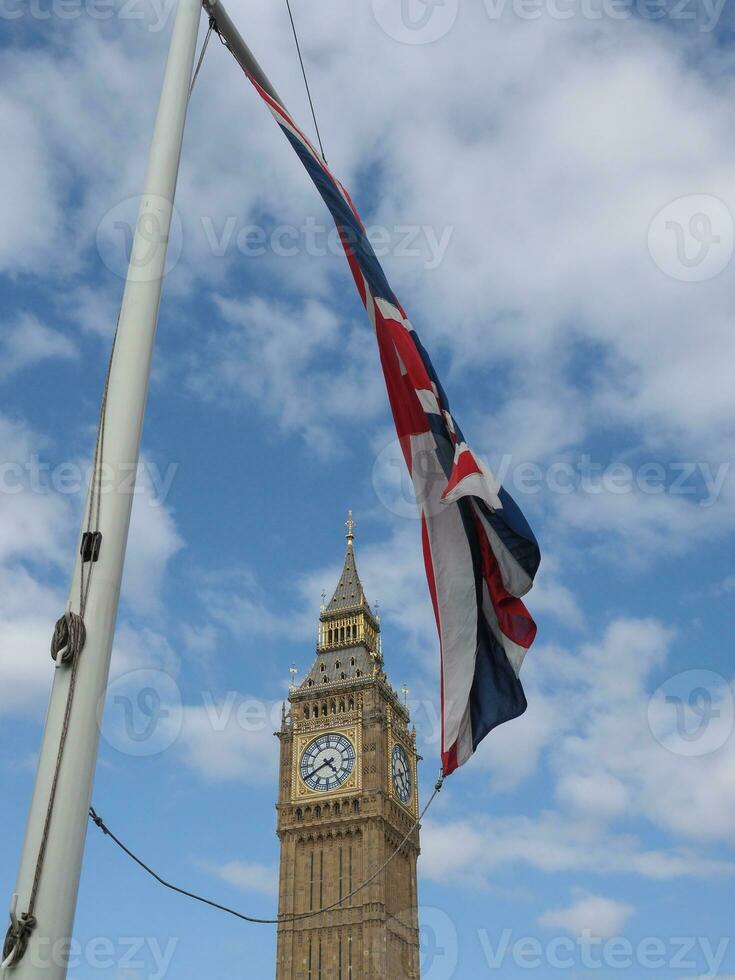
(479, 551)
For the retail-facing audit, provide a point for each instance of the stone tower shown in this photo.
(347, 797)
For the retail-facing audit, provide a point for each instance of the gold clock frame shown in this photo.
(353, 784)
(409, 748)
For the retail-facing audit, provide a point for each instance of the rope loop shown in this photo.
(16, 938)
(69, 638)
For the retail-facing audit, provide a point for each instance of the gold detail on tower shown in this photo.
(353, 784)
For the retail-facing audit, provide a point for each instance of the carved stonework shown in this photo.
(344, 807)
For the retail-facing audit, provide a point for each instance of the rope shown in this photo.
(201, 56)
(250, 918)
(306, 81)
(69, 636)
(67, 644)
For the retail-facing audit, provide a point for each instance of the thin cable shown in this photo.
(306, 81)
(201, 56)
(251, 918)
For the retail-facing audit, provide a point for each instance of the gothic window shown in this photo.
(333, 707)
(317, 811)
(358, 673)
(324, 709)
(310, 683)
(336, 813)
(337, 664)
(325, 680)
(299, 814)
(307, 712)
(322, 667)
(352, 661)
(352, 704)
(356, 806)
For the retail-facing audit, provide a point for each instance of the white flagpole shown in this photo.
(57, 885)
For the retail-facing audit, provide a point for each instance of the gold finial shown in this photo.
(350, 525)
(404, 689)
(293, 671)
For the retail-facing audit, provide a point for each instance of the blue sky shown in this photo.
(551, 188)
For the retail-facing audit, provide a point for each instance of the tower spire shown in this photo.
(348, 641)
(350, 525)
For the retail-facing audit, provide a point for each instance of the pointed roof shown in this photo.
(349, 592)
(348, 645)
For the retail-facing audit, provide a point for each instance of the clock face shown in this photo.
(401, 772)
(327, 762)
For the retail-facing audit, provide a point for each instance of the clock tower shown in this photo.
(348, 796)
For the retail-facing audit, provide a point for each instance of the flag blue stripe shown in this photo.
(345, 221)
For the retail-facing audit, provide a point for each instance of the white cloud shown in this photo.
(27, 342)
(534, 219)
(35, 524)
(299, 363)
(32, 216)
(725, 587)
(231, 739)
(590, 709)
(235, 600)
(469, 854)
(591, 914)
(153, 541)
(248, 876)
(28, 612)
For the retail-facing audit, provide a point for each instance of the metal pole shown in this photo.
(55, 905)
(242, 53)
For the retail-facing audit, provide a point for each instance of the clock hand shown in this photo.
(327, 762)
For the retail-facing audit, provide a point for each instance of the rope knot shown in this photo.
(16, 938)
(69, 637)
